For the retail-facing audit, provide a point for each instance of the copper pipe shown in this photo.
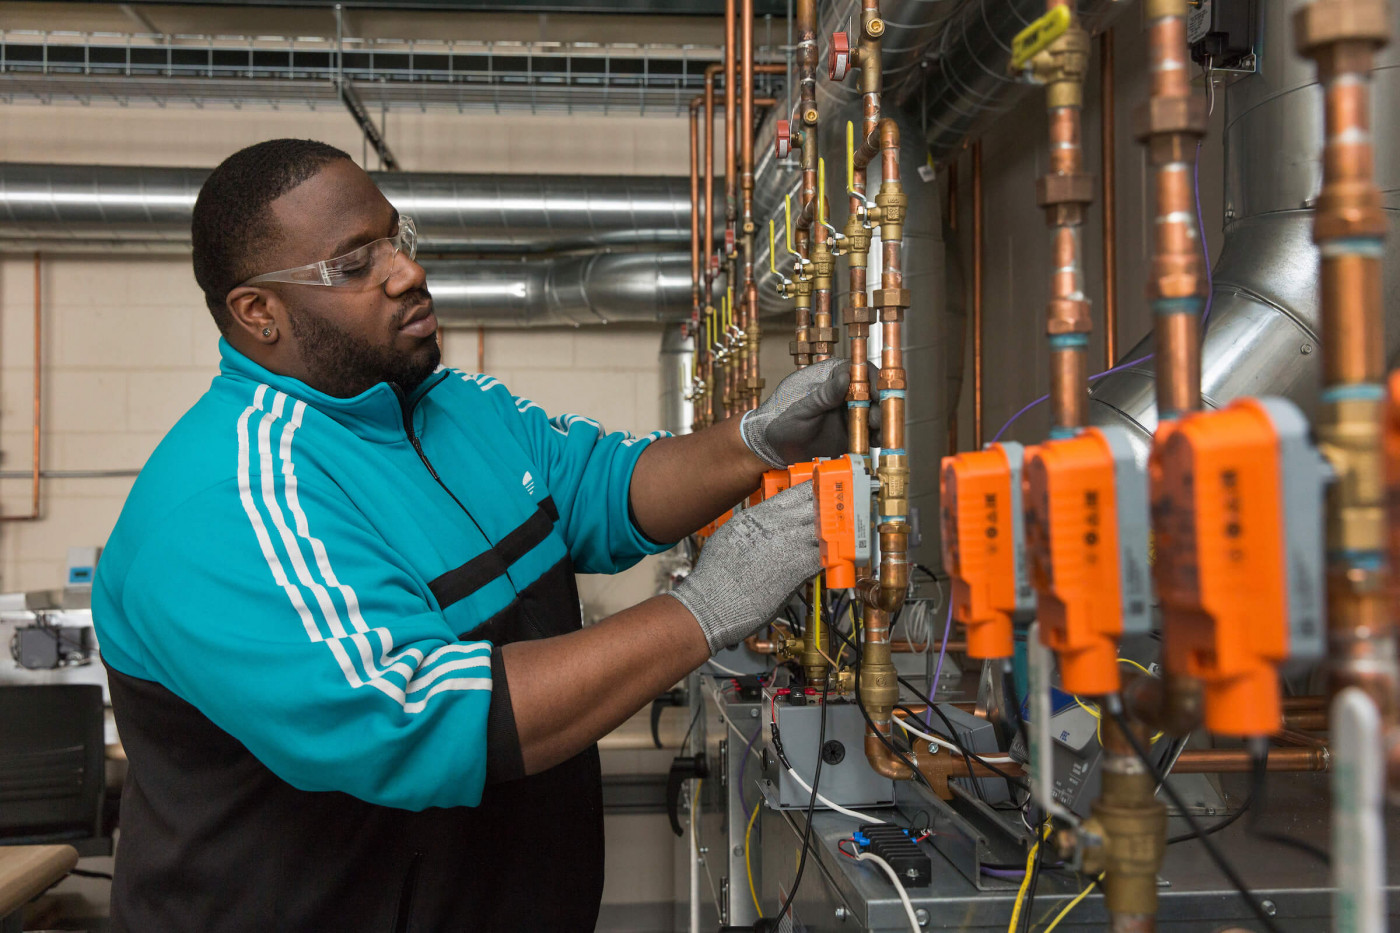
(977, 295)
(1108, 194)
(481, 349)
(730, 123)
(35, 464)
(805, 131)
(858, 315)
(1237, 761)
(1172, 124)
(695, 105)
(747, 87)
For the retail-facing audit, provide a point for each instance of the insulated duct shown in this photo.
(600, 288)
(83, 206)
(1264, 330)
(677, 367)
(967, 82)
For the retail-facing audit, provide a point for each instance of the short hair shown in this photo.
(231, 225)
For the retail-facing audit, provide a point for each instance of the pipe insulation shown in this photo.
(83, 206)
(1263, 336)
(599, 288)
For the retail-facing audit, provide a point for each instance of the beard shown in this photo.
(344, 365)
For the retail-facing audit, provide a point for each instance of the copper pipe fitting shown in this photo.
(1133, 826)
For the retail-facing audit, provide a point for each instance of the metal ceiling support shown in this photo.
(87, 205)
(626, 7)
(365, 122)
(602, 288)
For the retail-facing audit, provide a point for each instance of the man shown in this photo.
(339, 610)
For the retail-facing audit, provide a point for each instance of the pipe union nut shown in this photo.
(1068, 316)
(824, 335)
(1324, 22)
(1077, 188)
(754, 383)
(1349, 209)
(891, 298)
(853, 315)
(1159, 115)
(800, 347)
(1176, 277)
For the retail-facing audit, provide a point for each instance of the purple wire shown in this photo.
(1120, 366)
(1205, 314)
(1201, 227)
(1010, 874)
(942, 653)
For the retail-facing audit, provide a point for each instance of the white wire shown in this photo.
(944, 743)
(864, 817)
(720, 667)
(898, 886)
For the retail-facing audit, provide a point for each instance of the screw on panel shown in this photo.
(842, 913)
(1270, 908)
(921, 915)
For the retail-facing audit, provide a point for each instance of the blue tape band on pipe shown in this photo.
(1191, 305)
(1366, 246)
(858, 404)
(892, 452)
(892, 393)
(1360, 391)
(1068, 341)
(1365, 560)
(1062, 433)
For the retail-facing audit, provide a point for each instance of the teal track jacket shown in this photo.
(313, 574)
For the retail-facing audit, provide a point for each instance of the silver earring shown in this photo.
(267, 331)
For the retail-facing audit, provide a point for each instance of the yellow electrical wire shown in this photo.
(1070, 906)
(1098, 717)
(748, 866)
(1026, 881)
(817, 613)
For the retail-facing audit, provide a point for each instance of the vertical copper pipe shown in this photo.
(36, 439)
(1109, 196)
(807, 117)
(1350, 229)
(1177, 283)
(695, 270)
(481, 349)
(977, 294)
(747, 79)
(731, 178)
(962, 335)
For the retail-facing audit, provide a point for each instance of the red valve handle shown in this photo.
(839, 61)
(783, 141)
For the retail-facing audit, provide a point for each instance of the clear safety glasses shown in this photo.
(367, 267)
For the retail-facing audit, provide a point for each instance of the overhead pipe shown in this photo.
(84, 205)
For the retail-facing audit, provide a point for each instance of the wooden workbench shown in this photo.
(25, 873)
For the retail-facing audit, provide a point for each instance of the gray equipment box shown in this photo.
(846, 778)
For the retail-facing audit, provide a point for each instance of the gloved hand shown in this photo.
(749, 568)
(805, 417)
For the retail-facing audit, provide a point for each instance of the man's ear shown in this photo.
(256, 311)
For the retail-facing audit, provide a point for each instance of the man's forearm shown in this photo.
(569, 691)
(681, 483)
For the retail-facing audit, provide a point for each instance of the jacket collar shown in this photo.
(377, 414)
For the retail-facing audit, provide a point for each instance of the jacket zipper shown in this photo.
(407, 406)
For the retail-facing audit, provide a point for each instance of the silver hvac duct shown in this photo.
(572, 290)
(1263, 334)
(87, 205)
(967, 81)
(910, 26)
(677, 365)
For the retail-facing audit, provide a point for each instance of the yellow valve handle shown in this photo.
(787, 222)
(728, 309)
(1032, 40)
(817, 610)
(821, 191)
(709, 328)
(850, 155)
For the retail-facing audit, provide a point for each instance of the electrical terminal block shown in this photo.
(984, 546)
(1086, 532)
(897, 847)
(1237, 495)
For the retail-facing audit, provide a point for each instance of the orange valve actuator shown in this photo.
(984, 546)
(843, 494)
(1086, 531)
(1237, 498)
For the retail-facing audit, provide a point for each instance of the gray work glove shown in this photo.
(805, 417)
(749, 568)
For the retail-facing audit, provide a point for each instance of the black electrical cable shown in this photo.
(1197, 830)
(1034, 880)
(700, 708)
(1259, 791)
(1214, 827)
(84, 873)
(870, 724)
(771, 924)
